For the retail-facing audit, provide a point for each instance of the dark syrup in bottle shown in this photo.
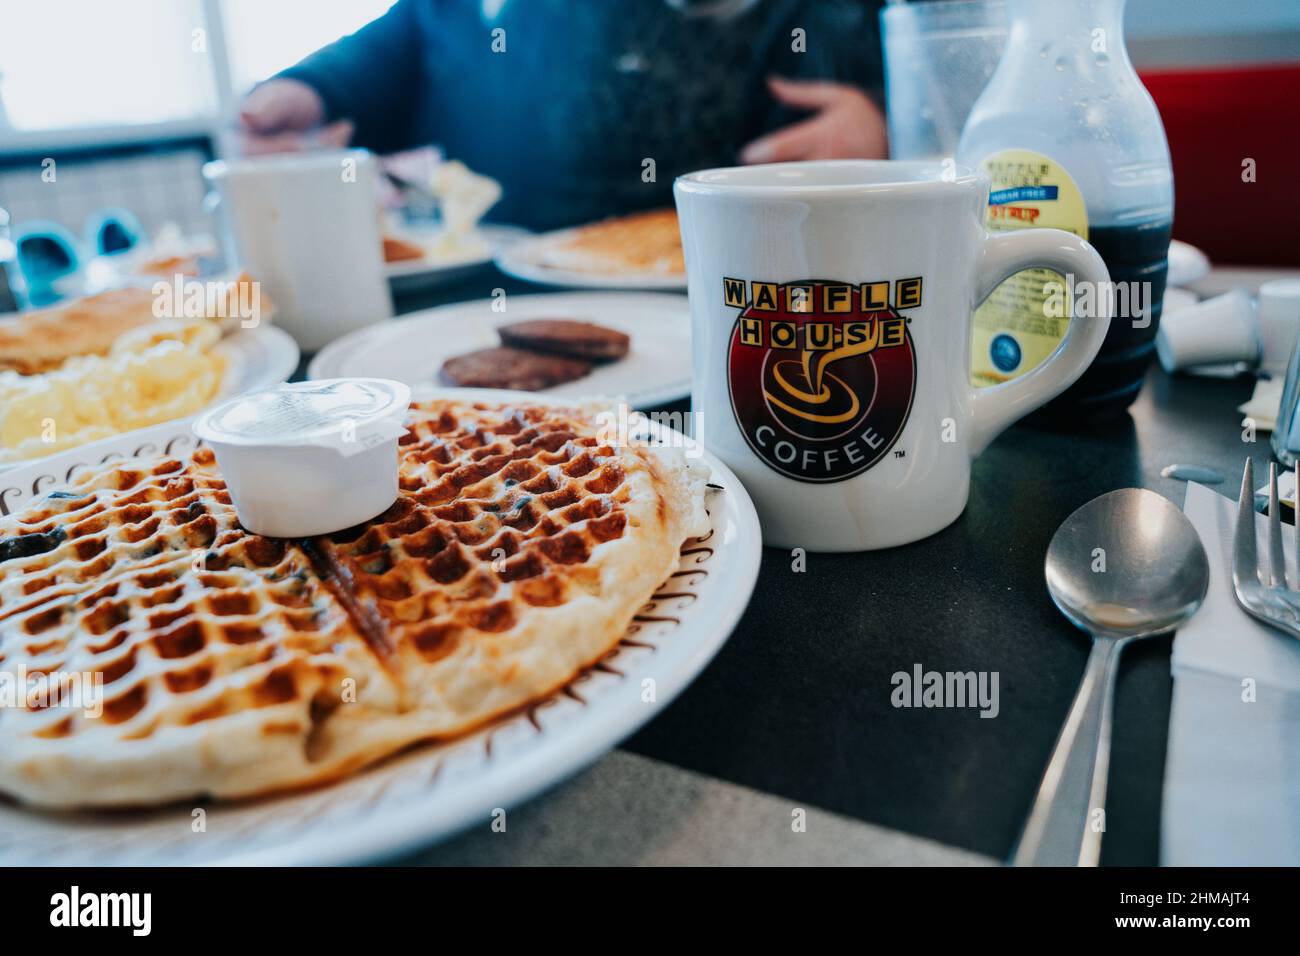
(1133, 254)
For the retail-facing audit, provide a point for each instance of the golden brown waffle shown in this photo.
(44, 339)
(642, 242)
(518, 550)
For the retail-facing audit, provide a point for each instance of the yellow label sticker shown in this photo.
(1017, 327)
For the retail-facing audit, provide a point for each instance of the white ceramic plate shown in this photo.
(412, 349)
(255, 358)
(409, 275)
(523, 260)
(433, 791)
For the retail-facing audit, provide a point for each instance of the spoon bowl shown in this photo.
(1127, 564)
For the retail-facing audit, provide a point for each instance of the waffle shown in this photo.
(232, 665)
(166, 266)
(648, 242)
(44, 339)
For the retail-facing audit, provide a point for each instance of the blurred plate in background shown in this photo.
(524, 260)
(412, 275)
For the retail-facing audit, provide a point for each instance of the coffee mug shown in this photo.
(306, 225)
(831, 314)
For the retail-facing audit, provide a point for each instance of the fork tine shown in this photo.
(1276, 562)
(1244, 567)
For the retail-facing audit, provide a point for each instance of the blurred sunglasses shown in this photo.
(113, 231)
(45, 253)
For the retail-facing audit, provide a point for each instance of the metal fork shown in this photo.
(1263, 593)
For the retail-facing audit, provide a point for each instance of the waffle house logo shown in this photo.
(821, 374)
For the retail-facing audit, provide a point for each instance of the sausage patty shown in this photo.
(584, 340)
(511, 368)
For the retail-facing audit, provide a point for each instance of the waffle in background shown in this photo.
(647, 242)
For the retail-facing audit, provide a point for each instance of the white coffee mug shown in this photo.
(306, 225)
(831, 307)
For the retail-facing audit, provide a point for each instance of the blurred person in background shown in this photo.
(565, 102)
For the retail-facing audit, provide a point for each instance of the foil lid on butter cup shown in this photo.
(348, 415)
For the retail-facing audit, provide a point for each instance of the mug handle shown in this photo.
(1002, 255)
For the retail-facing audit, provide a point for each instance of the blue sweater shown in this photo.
(585, 91)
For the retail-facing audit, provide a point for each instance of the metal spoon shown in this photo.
(1125, 566)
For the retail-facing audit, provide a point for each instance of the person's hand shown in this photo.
(284, 115)
(845, 125)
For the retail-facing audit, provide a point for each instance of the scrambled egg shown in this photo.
(153, 374)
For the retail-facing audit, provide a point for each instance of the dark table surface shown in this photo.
(798, 702)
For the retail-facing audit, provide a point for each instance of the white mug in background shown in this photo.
(831, 307)
(306, 226)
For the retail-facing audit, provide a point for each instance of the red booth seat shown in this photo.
(1217, 119)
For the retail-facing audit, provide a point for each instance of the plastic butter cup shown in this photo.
(1222, 329)
(310, 457)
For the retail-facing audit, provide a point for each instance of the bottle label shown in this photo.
(1025, 318)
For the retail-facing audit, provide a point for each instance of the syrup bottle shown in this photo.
(1071, 140)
